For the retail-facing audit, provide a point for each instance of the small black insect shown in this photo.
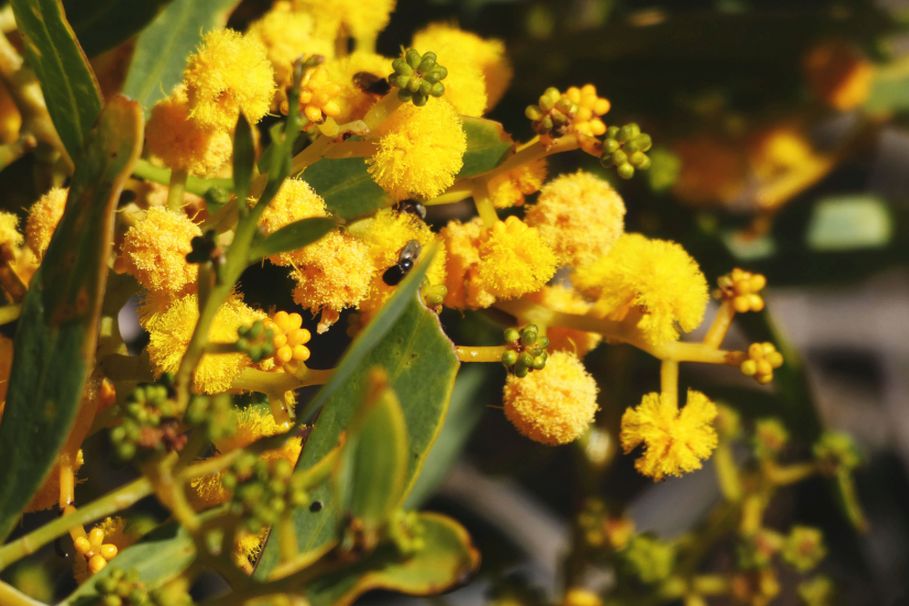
(394, 274)
(371, 83)
(411, 206)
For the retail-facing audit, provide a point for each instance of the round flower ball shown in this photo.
(554, 405)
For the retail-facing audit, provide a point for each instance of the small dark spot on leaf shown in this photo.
(315, 506)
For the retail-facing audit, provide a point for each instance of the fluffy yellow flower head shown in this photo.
(654, 283)
(362, 19)
(287, 34)
(295, 201)
(561, 298)
(350, 74)
(675, 442)
(229, 73)
(154, 251)
(9, 231)
(505, 261)
(554, 405)
(580, 216)
(510, 188)
(333, 274)
(487, 54)
(386, 233)
(43, 217)
(182, 143)
(420, 150)
(171, 329)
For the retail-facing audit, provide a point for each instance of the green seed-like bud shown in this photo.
(539, 363)
(512, 335)
(619, 157)
(625, 171)
(533, 113)
(637, 158)
(520, 370)
(509, 357)
(610, 146)
(529, 335)
(644, 142)
(437, 90)
(645, 164)
(412, 56)
(612, 132)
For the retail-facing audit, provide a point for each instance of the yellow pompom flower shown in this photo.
(386, 234)
(505, 261)
(580, 216)
(564, 299)
(331, 275)
(464, 86)
(352, 74)
(43, 217)
(295, 201)
(287, 35)
(362, 19)
(229, 73)
(182, 143)
(10, 236)
(171, 329)
(554, 405)
(487, 54)
(420, 150)
(675, 441)
(510, 188)
(653, 283)
(154, 251)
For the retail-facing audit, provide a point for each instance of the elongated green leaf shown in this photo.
(346, 186)
(373, 468)
(103, 24)
(487, 146)
(69, 85)
(407, 341)
(291, 237)
(447, 559)
(157, 559)
(163, 47)
(244, 159)
(58, 329)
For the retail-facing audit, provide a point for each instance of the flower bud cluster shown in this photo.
(216, 415)
(95, 550)
(289, 340)
(124, 588)
(263, 490)
(743, 289)
(150, 423)
(418, 76)
(626, 147)
(256, 340)
(525, 350)
(762, 360)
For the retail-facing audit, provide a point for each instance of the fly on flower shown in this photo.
(394, 274)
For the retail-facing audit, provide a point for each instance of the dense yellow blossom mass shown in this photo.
(288, 35)
(554, 405)
(154, 251)
(43, 217)
(675, 441)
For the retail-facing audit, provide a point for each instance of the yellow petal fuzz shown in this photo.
(10, 236)
(510, 188)
(295, 201)
(333, 274)
(505, 261)
(653, 283)
(386, 234)
(420, 150)
(554, 405)
(580, 216)
(154, 251)
(563, 299)
(464, 85)
(229, 73)
(675, 442)
(362, 19)
(43, 217)
(182, 143)
(353, 102)
(487, 54)
(287, 35)
(171, 329)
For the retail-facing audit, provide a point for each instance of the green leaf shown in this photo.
(487, 146)
(407, 341)
(58, 328)
(244, 159)
(371, 476)
(103, 24)
(292, 236)
(447, 559)
(157, 559)
(162, 49)
(69, 85)
(849, 222)
(346, 187)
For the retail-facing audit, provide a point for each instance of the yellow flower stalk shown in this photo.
(229, 73)
(654, 284)
(154, 251)
(43, 217)
(580, 216)
(554, 405)
(675, 441)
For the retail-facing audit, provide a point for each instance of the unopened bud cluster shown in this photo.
(626, 147)
(289, 340)
(149, 423)
(215, 415)
(743, 288)
(93, 548)
(525, 350)
(578, 110)
(256, 340)
(418, 76)
(263, 490)
(762, 360)
(124, 588)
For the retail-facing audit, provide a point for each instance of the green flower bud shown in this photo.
(625, 171)
(512, 335)
(509, 358)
